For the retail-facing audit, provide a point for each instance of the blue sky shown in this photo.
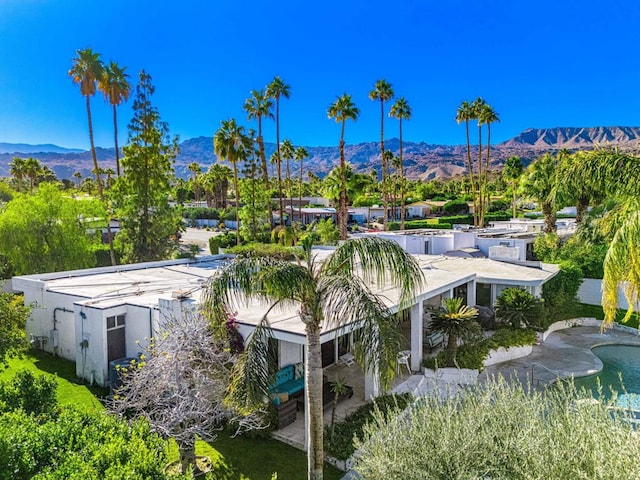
(540, 64)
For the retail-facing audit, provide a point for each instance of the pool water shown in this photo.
(619, 361)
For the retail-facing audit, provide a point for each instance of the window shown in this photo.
(116, 321)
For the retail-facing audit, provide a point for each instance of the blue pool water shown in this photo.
(619, 361)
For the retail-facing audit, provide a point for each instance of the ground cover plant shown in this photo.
(501, 431)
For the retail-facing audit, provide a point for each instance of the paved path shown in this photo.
(565, 353)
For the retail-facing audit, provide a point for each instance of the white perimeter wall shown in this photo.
(590, 292)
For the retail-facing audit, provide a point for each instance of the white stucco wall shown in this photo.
(590, 292)
(441, 244)
(505, 354)
(464, 240)
(290, 353)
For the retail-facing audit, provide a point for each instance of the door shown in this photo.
(115, 344)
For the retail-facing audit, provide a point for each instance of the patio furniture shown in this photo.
(403, 359)
(433, 339)
(286, 413)
(285, 380)
(347, 359)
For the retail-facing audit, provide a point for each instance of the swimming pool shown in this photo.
(618, 361)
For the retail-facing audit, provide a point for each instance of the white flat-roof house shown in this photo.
(97, 316)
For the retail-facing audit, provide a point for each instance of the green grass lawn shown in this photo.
(240, 458)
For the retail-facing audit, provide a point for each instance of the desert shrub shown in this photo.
(503, 431)
(456, 207)
(341, 445)
(517, 307)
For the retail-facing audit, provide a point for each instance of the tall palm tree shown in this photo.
(465, 114)
(487, 115)
(17, 171)
(32, 168)
(457, 321)
(288, 152)
(195, 170)
(300, 154)
(276, 89)
(512, 172)
(326, 295)
(342, 110)
(260, 106)
(87, 70)
(402, 111)
(77, 176)
(232, 144)
(383, 91)
(476, 108)
(540, 182)
(116, 89)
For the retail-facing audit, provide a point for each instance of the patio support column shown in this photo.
(471, 293)
(416, 314)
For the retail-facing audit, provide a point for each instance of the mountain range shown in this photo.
(422, 160)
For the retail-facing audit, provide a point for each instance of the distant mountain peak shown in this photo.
(26, 148)
(574, 137)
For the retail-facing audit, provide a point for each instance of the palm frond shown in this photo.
(378, 260)
(346, 299)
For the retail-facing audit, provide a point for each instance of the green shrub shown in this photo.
(31, 394)
(201, 213)
(456, 207)
(425, 223)
(267, 250)
(509, 337)
(394, 226)
(499, 206)
(341, 446)
(225, 240)
(457, 219)
(503, 431)
(560, 293)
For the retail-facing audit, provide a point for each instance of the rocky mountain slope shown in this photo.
(422, 160)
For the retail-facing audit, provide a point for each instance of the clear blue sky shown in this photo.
(539, 63)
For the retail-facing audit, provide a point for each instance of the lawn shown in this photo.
(595, 311)
(240, 458)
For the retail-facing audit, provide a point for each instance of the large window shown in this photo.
(483, 294)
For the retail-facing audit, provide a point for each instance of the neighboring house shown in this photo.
(101, 315)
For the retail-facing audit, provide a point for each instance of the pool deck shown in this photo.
(564, 353)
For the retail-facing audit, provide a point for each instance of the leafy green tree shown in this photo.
(342, 110)
(149, 225)
(87, 70)
(116, 89)
(254, 212)
(517, 307)
(382, 92)
(13, 319)
(45, 232)
(402, 111)
(276, 90)
(457, 321)
(512, 172)
(335, 292)
(560, 293)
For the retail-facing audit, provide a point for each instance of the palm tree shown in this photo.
(383, 91)
(465, 114)
(329, 294)
(77, 176)
(260, 106)
(87, 70)
(457, 321)
(116, 89)
(402, 111)
(540, 182)
(512, 172)
(230, 143)
(342, 110)
(276, 89)
(17, 171)
(487, 115)
(32, 168)
(288, 153)
(517, 307)
(109, 172)
(300, 154)
(195, 170)
(477, 107)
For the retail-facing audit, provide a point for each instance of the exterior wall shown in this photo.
(463, 240)
(441, 244)
(415, 243)
(90, 352)
(590, 292)
(290, 353)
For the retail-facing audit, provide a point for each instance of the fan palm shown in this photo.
(116, 89)
(512, 172)
(465, 113)
(32, 168)
(402, 111)
(383, 91)
(276, 89)
(87, 70)
(288, 153)
(539, 182)
(260, 106)
(487, 115)
(300, 154)
(457, 321)
(330, 294)
(342, 110)
(232, 144)
(17, 171)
